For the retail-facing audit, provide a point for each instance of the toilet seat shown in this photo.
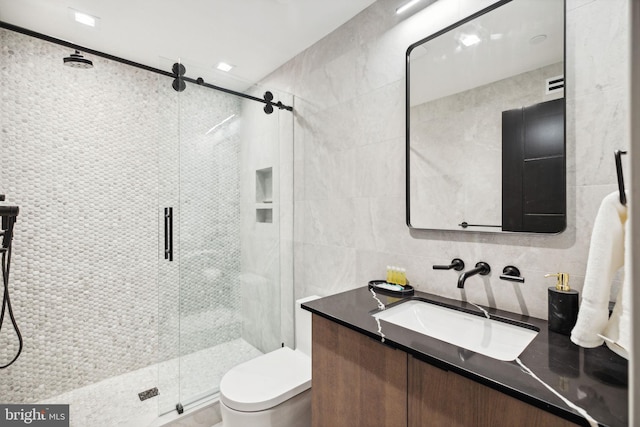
(266, 381)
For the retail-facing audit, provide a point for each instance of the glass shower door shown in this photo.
(168, 234)
(209, 243)
(220, 296)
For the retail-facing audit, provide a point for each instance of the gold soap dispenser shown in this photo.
(563, 305)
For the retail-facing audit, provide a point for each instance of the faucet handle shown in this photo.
(457, 264)
(512, 274)
(483, 268)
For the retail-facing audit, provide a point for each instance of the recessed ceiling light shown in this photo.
(469, 39)
(223, 66)
(84, 18)
(406, 6)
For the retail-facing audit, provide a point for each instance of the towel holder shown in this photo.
(623, 195)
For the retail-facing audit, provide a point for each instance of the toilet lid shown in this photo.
(266, 381)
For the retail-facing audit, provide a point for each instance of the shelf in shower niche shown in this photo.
(264, 195)
(376, 286)
(264, 185)
(264, 215)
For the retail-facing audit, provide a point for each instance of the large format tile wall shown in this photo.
(349, 158)
(259, 277)
(91, 157)
(266, 263)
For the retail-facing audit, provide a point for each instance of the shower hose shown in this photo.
(6, 301)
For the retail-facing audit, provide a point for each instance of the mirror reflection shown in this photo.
(485, 122)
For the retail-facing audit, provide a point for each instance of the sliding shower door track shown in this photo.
(195, 401)
(267, 100)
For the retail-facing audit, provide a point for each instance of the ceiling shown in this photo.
(517, 37)
(256, 36)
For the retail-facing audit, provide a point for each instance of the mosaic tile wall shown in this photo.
(82, 152)
(208, 216)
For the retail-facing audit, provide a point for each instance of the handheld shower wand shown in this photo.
(8, 214)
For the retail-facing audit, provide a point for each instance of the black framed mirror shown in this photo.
(485, 122)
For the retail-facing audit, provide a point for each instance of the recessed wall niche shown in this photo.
(264, 185)
(264, 195)
(264, 215)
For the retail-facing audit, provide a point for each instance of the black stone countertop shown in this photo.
(594, 379)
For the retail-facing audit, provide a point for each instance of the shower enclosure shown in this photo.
(220, 207)
(93, 157)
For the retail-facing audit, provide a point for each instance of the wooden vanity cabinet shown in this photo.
(356, 381)
(360, 382)
(442, 398)
(439, 398)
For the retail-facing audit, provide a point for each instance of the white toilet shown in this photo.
(273, 390)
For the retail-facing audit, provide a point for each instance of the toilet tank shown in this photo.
(303, 326)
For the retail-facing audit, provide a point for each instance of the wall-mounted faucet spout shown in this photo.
(482, 268)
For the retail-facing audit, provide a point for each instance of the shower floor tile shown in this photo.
(200, 372)
(114, 401)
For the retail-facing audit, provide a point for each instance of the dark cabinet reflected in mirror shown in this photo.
(486, 122)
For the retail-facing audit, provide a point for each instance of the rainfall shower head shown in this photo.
(76, 60)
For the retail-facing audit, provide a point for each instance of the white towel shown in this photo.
(606, 256)
(618, 330)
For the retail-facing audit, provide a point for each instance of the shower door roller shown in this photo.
(168, 234)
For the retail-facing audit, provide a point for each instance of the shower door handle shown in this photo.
(168, 234)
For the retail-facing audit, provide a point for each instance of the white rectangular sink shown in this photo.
(493, 338)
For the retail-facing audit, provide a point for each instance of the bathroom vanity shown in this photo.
(410, 379)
